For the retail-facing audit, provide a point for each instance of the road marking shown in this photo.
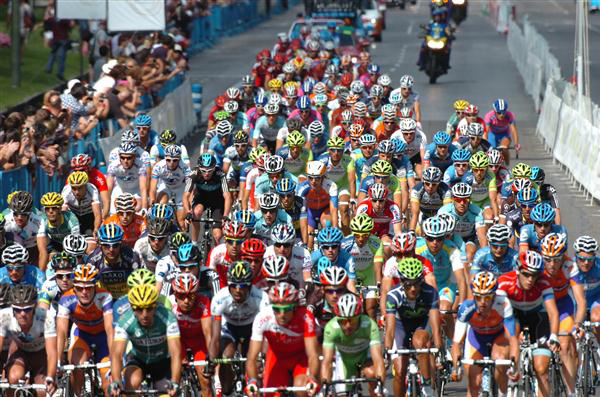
(410, 28)
(402, 55)
(561, 8)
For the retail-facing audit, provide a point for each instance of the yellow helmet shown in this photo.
(521, 170)
(381, 168)
(141, 296)
(77, 178)
(275, 84)
(52, 199)
(461, 104)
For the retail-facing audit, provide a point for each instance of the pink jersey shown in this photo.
(496, 125)
(313, 115)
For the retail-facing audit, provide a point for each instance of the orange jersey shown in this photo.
(88, 318)
(133, 231)
(562, 280)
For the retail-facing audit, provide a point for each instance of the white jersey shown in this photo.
(165, 272)
(170, 179)
(149, 258)
(222, 304)
(44, 326)
(413, 148)
(299, 262)
(283, 133)
(28, 235)
(157, 154)
(140, 154)
(127, 179)
(84, 206)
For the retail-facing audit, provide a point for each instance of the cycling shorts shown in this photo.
(314, 216)
(84, 340)
(33, 362)
(159, 371)
(496, 139)
(593, 301)
(480, 345)
(217, 215)
(538, 324)
(448, 293)
(208, 200)
(234, 334)
(566, 311)
(404, 332)
(416, 159)
(177, 194)
(472, 239)
(86, 223)
(348, 368)
(278, 369)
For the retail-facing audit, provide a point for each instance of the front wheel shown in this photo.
(414, 387)
(433, 66)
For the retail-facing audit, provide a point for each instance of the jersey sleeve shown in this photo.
(120, 333)
(374, 337)
(172, 325)
(94, 193)
(393, 301)
(309, 325)
(49, 325)
(455, 259)
(330, 334)
(258, 327)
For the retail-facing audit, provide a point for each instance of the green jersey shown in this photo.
(295, 166)
(338, 173)
(56, 233)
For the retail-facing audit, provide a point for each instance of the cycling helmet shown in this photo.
(315, 169)
(4, 295)
(303, 103)
(173, 152)
(378, 191)
(275, 98)
(538, 175)
(352, 99)
(386, 147)
(253, 248)
(330, 236)
(461, 190)
(207, 161)
(142, 296)
(21, 202)
(362, 223)
(388, 113)
(63, 261)
(126, 148)
(274, 164)
(316, 128)
(407, 113)
(320, 88)
(460, 104)
(246, 218)
(495, 156)
(520, 184)
(376, 91)
(125, 202)
(285, 186)
(347, 116)
(185, 284)
(373, 69)
(449, 220)
(356, 130)
(295, 138)
(357, 86)
(131, 136)
(252, 157)
(461, 156)
(233, 93)
(500, 106)
(586, 244)
(499, 234)
(268, 201)
(399, 146)
(367, 139)
(290, 91)
(275, 267)
(234, 230)
(248, 80)
(23, 295)
(85, 274)
(260, 99)
(531, 262)
(231, 107)
(76, 178)
(395, 97)
(404, 243)
(239, 273)
(307, 87)
(553, 244)
(224, 127)
(410, 268)
(188, 253)
(283, 233)
(432, 175)
(81, 162)
(442, 138)
(271, 109)
(348, 305)
(163, 211)
(475, 130)
(158, 227)
(407, 124)
(110, 233)
(472, 110)
(221, 115)
(359, 110)
(542, 212)
(384, 80)
(381, 168)
(521, 170)
(167, 137)
(143, 120)
(479, 160)
(332, 275)
(484, 283)
(75, 244)
(262, 159)
(528, 196)
(240, 137)
(406, 81)
(15, 254)
(141, 276)
(177, 240)
(283, 293)
(335, 142)
(320, 99)
(52, 199)
(434, 227)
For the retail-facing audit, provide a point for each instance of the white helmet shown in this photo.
(268, 201)
(315, 168)
(274, 164)
(384, 80)
(462, 190)
(407, 125)
(75, 244)
(275, 267)
(406, 81)
(231, 107)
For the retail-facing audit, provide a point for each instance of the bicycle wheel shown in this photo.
(528, 389)
(556, 384)
(585, 373)
(414, 387)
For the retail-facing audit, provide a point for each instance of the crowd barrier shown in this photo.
(500, 12)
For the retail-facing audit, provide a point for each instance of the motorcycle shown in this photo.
(436, 51)
(459, 11)
(397, 3)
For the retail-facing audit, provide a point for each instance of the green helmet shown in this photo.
(335, 142)
(295, 138)
(381, 167)
(167, 137)
(140, 277)
(521, 171)
(410, 268)
(362, 223)
(479, 160)
(255, 153)
(221, 115)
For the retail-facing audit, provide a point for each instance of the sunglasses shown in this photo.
(240, 145)
(354, 139)
(286, 195)
(553, 259)
(335, 291)
(381, 200)
(181, 296)
(336, 150)
(442, 146)
(127, 158)
(542, 224)
(27, 309)
(527, 205)
(268, 211)
(461, 165)
(376, 177)
(239, 285)
(389, 122)
(329, 247)
(21, 213)
(15, 268)
(81, 288)
(461, 200)
(499, 245)
(233, 241)
(585, 258)
(64, 276)
(283, 308)
(111, 246)
(429, 238)
(412, 283)
(148, 309)
(486, 297)
(285, 245)
(171, 160)
(156, 238)
(314, 178)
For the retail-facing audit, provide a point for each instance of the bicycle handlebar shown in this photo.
(201, 363)
(282, 389)
(24, 386)
(353, 380)
(71, 367)
(431, 350)
(486, 361)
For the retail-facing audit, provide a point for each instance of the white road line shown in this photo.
(410, 28)
(561, 8)
(402, 54)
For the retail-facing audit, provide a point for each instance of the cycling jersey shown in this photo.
(80, 207)
(114, 277)
(250, 181)
(393, 185)
(157, 153)
(390, 216)
(50, 294)
(467, 223)
(141, 156)
(32, 276)
(165, 272)
(263, 184)
(344, 259)
(464, 142)
(430, 203)
(361, 165)
(390, 269)
(447, 261)
(28, 235)
(339, 172)
(218, 261)
(297, 212)
(127, 179)
(88, 318)
(263, 231)
(452, 124)
(514, 218)
(207, 192)
(413, 149)
(320, 197)
(149, 258)
(133, 231)
(480, 196)
(284, 340)
(451, 177)
(56, 233)
(526, 301)
(263, 131)
(402, 168)
(497, 126)
(548, 194)
(33, 340)
(434, 160)
(299, 262)
(364, 257)
(97, 178)
(233, 158)
(170, 181)
(295, 166)
(563, 279)
(190, 326)
(217, 148)
(485, 261)
(463, 126)
(528, 236)
(591, 284)
(148, 344)
(238, 314)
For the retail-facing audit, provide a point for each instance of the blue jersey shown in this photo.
(411, 313)
(450, 176)
(264, 185)
(32, 276)
(362, 165)
(152, 140)
(529, 237)
(591, 283)
(245, 169)
(263, 231)
(120, 306)
(444, 263)
(319, 148)
(466, 223)
(485, 261)
(216, 147)
(344, 260)
(435, 160)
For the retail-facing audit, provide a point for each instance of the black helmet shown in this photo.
(21, 202)
(63, 261)
(239, 272)
(177, 240)
(23, 295)
(158, 226)
(4, 295)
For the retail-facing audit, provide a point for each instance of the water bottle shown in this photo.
(485, 380)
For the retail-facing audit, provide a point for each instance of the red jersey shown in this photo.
(285, 340)
(527, 301)
(219, 260)
(190, 324)
(390, 269)
(97, 179)
(391, 214)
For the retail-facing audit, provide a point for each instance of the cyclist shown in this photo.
(26, 226)
(246, 218)
(156, 346)
(81, 198)
(32, 333)
(233, 309)
(589, 274)
(367, 251)
(206, 187)
(294, 206)
(530, 292)
(61, 281)
(235, 159)
(483, 184)
(292, 348)
(89, 308)
(448, 267)
(298, 257)
(128, 174)
(320, 196)
(473, 141)
(460, 105)
(267, 127)
(274, 171)
(439, 153)
(393, 151)
(56, 223)
(459, 168)
(295, 155)
(409, 98)
(521, 173)
(387, 126)
(17, 270)
(143, 126)
(497, 165)
(222, 255)
(77, 246)
(497, 257)
(165, 267)
(411, 309)
(428, 196)
(193, 317)
(542, 216)
(356, 339)
(363, 160)
(269, 216)
(501, 125)
(317, 138)
(165, 139)
(385, 214)
(221, 141)
(416, 143)
(471, 117)
(141, 155)
(487, 327)
(520, 214)
(153, 246)
(291, 125)
(548, 193)
(330, 240)
(381, 172)
(6, 238)
(113, 260)
(83, 162)
(133, 225)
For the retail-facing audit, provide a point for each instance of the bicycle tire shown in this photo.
(414, 387)
(528, 388)
(585, 378)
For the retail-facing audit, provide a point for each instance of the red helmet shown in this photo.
(283, 293)
(184, 283)
(234, 229)
(404, 242)
(275, 267)
(472, 110)
(81, 162)
(346, 80)
(253, 248)
(279, 58)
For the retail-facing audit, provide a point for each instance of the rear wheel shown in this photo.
(414, 387)
(433, 66)
(377, 37)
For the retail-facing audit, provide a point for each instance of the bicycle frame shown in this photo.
(488, 381)
(354, 383)
(413, 375)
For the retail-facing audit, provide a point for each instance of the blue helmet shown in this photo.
(399, 146)
(207, 160)
(143, 120)
(386, 147)
(373, 69)
(461, 155)
(261, 99)
(246, 217)
(163, 211)
(110, 233)
(283, 234)
(303, 103)
(543, 212)
(500, 106)
(285, 186)
(307, 87)
(527, 196)
(323, 263)
(442, 138)
(537, 175)
(330, 236)
(187, 253)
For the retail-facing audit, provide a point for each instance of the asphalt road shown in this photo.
(482, 71)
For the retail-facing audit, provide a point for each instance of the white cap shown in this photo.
(71, 84)
(108, 66)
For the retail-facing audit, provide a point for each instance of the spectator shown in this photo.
(52, 102)
(99, 62)
(60, 45)
(72, 101)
